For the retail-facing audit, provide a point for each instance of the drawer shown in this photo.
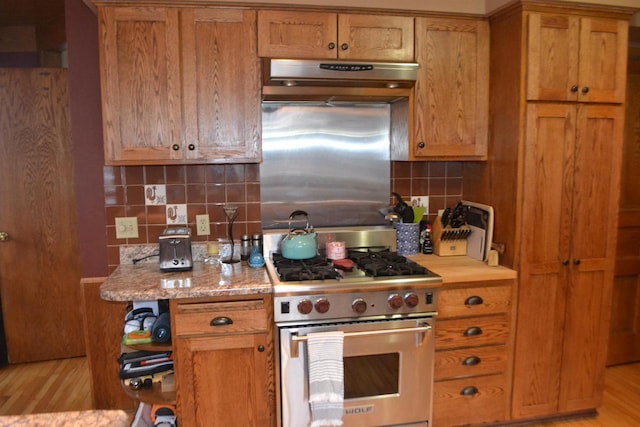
(455, 333)
(474, 301)
(470, 401)
(450, 364)
(219, 318)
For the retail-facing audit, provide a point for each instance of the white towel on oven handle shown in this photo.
(326, 377)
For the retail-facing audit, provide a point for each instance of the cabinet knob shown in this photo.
(473, 331)
(471, 361)
(565, 262)
(221, 321)
(473, 300)
(175, 147)
(344, 46)
(469, 391)
(191, 147)
(260, 348)
(331, 46)
(421, 144)
(576, 262)
(585, 89)
(574, 88)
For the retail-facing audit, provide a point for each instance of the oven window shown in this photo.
(371, 375)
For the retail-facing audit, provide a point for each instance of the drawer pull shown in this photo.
(471, 361)
(221, 321)
(473, 300)
(469, 391)
(473, 331)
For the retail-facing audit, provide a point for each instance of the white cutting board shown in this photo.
(480, 221)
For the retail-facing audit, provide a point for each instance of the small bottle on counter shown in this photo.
(245, 247)
(427, 244)
(256, 241)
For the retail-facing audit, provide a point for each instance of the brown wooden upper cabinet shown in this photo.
(452, 90)
(179, 85)
(574, 58)
(283, 34)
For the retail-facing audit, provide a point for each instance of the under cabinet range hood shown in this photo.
(291, 78)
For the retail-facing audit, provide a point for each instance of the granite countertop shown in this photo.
(102, 418)
(145, 281)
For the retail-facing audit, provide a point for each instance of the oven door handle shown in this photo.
(424, 330)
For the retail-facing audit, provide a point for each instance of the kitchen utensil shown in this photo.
(403, 209)
(299, 243)
(445, 217)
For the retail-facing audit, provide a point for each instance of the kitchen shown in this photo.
(445, 177)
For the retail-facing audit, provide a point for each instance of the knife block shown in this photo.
(445, 243)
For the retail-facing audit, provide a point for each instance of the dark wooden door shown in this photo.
(39, 261)
(624, 337)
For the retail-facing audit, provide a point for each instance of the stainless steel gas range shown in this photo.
(385, 306)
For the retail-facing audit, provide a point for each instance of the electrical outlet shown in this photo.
(421, 201)
(127, 228)
(202, 225)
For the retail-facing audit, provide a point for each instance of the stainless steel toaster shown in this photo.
(175, 249)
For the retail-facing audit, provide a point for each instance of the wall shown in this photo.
(86, 135)
(205, 189)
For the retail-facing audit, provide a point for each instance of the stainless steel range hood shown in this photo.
(316, 79)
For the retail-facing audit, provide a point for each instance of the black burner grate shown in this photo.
(385, 263)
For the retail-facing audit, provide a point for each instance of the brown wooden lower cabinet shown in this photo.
(473, 353)
(471, 400)
(103, 334)
(223, 357)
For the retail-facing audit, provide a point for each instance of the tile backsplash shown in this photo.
(162, 195)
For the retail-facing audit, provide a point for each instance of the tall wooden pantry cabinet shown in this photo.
(558, 81)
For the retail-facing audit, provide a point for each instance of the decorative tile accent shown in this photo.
(155, 194)
(177, 214)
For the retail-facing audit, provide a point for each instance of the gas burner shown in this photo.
(382, 268)
(291, 270)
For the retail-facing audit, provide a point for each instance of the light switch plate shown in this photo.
(127, 228)
(202, 225)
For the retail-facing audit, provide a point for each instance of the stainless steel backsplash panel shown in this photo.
(330, 160)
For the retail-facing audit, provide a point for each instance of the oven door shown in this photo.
(388, 372)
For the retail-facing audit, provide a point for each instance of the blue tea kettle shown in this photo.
(299, 243)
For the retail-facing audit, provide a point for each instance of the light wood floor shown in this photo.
(63, 385)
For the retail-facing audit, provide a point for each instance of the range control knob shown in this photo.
(395, 301)
(322, 305)
(411, 299)
(359, 305)
(305, 306)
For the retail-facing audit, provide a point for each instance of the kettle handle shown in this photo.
(295, 214)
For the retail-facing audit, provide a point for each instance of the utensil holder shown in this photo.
(407, 238)
(449, 241)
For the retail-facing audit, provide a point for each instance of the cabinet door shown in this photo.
(598, 154)
(294, 35)
(221, 381)
(375, 37)
(603, 59)
(548, 183)
(221, 80)
(452, 89)
(141, 108)
(570, 58)
(552, 57)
